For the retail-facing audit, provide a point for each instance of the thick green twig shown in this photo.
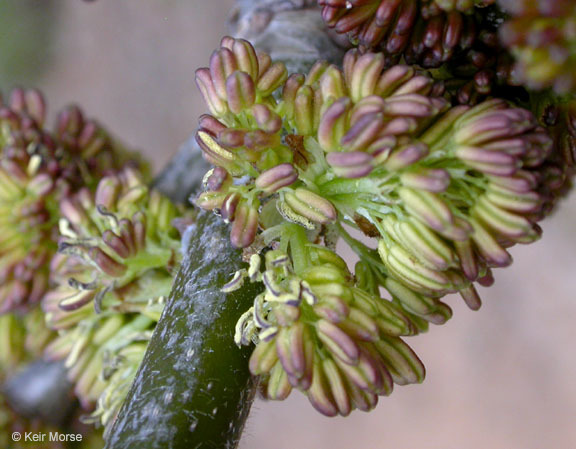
(193, 389)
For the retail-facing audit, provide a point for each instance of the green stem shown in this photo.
(366, 254)
(298, 242)
(193, 389)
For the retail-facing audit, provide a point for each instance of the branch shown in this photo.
(193, 389)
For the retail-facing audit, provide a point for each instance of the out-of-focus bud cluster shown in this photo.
(23, 338)
(445, 191)
(465, 6)
(459, 36)
(425, 32)
(117, 255)
(559, 118)
(485, 69)
(541, 35)
(316, 331)
(38, 169)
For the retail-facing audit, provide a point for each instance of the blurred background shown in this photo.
(500, 378)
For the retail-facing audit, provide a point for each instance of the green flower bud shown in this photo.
(306, 204)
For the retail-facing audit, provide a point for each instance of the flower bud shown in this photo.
(333, 125)
(222, 65)
(272, 78)
(310, 205)
(217, 106)
(432, 180)
(266, 119)
(240, 92)
(273, 179)
(350, 164)
(217, 180)
(244, 226)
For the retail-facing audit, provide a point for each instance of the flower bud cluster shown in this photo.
(541, 35)
(444, 190)
(316, 331)
(427, 32)
(461, 36)
(38, 168)
(247, 141)
(117, 255)
(560, 168)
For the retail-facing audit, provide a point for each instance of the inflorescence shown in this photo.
(38, 169)
(118, 251)
(425, 175)
(441, 191)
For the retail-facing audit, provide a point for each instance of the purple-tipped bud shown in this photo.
(117, 244)
(350, 165)
(417, 85)
(266, 119)
(231, 138)
(365, 75)
(332, 84)
(222, 65)
(217, 106)
(245, 226)
(35, 105)
(272, 78)
(411, 105)
(493, 125)
(333, 125)
(215, 153)
(504, 222)
(217, 180)
(229, 206)
(392, 79)
(41, 184)
(316, 72)
(107, 192)
(489, 162)
(210, 124)
(246, 57)
(106, 263)
(487, 246)
(363, 132)
(431, 179)
(69, 120)
(406, 156)
(273, 179)
(338, 342)
(427, 207)
(290, 90)
(305, 111)
(240, 92)
(259, 140)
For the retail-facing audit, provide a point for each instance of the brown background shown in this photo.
(500, 378)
